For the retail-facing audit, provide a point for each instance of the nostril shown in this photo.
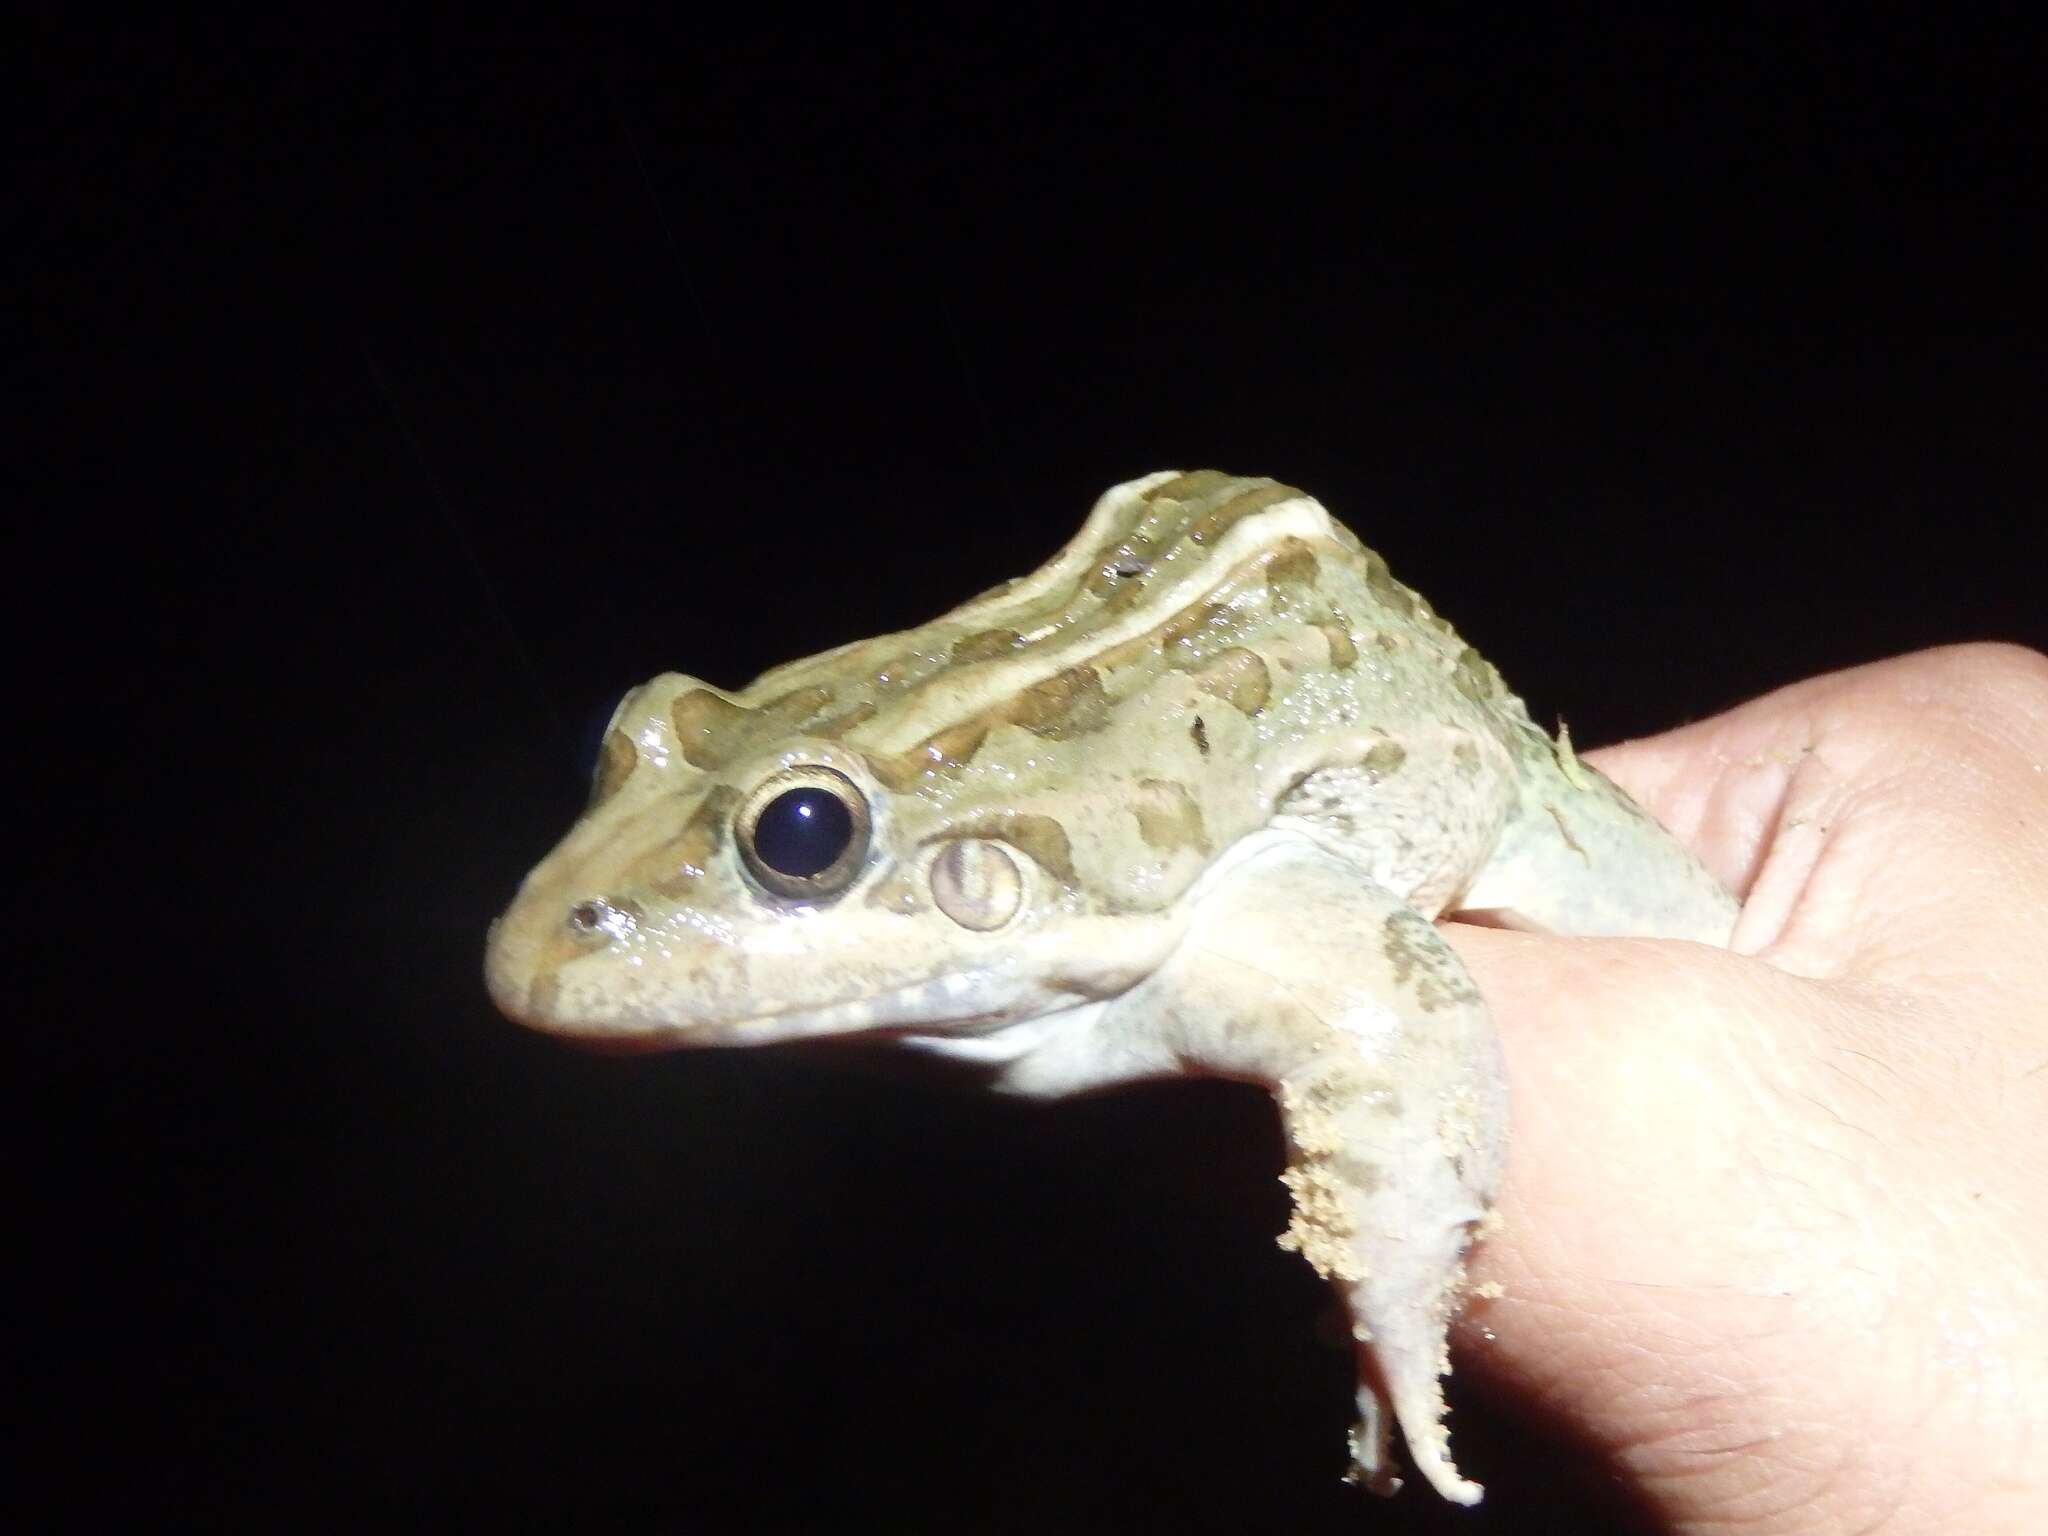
(595, 915)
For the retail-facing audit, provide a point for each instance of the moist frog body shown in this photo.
(1188, 799)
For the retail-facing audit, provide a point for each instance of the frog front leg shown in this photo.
(1297, 972)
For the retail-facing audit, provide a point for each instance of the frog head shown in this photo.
(737, 881)
(989, 817)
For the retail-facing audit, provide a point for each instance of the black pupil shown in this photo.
(801, 831)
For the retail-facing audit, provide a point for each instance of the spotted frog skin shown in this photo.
(1185, 800)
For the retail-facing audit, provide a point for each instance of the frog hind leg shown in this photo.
(1386, 1218)
(1577, 856)
(1299, 973)
(1403, 1356)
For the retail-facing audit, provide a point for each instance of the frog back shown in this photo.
(1173, 678)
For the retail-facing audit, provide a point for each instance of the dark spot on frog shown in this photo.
(1065, 705)
(1343, 649)
(1291, 571)
(616, 762)
(985, 645)
(795, 709)
(713, 731)
(1168, 818)
(1423, 963)
(1384, 759)
(703, 720)
(955, 746)
(1214, 501)
(1239, 678)
(1386, 591)
(839, 725)
(1475, 677)
(1185, 628)
(1465, 759)
(1200, 732)
(680, 862)
(1124, 596)
(1219, 520)
(945, 751)
(1189, 487)
(1039, 837)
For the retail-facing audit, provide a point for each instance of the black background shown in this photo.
(387, 402)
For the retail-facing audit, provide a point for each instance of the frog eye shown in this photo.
(804, 833)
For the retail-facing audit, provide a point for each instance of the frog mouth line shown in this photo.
(957, 1005)
(661, 1042)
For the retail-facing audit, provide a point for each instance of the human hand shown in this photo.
(1774, 1235)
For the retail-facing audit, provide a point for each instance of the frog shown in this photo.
(1191, 799)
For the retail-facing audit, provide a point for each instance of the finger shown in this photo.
(1868, 815)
